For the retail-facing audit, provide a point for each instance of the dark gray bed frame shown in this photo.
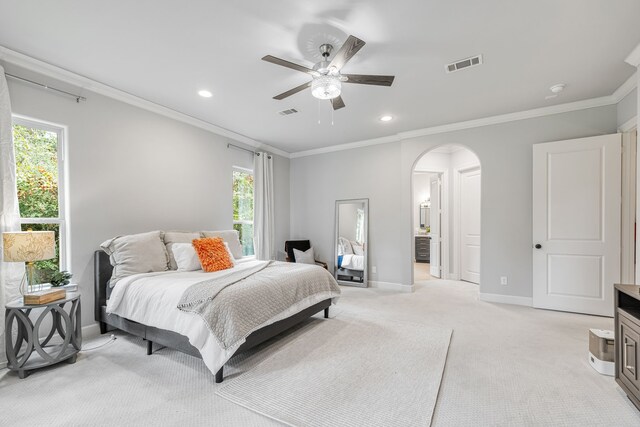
(163, 337)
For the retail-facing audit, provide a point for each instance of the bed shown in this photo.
(350, 260)
(146, 305)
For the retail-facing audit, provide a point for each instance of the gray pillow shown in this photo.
(136, 253)
(171, 237)
(229, 236)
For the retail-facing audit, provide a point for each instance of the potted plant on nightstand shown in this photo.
(61, 279)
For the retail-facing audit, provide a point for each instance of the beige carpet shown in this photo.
(506, 366)
(348, 371)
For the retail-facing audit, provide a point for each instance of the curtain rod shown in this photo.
(237, 147)
(77, 97)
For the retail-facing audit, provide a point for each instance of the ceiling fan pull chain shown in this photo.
(318, 111)
(332, 114)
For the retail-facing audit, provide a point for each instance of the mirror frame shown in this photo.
(365, 278)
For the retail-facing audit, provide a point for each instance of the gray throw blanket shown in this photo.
(242, 301)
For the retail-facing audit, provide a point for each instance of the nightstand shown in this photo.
(64, 319)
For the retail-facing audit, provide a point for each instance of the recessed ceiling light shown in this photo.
(205, 93)
(386, 118)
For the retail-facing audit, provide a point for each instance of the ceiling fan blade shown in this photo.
(291, 65)
(337, 103)
(364, 79)
(346, 52)
(292, 91)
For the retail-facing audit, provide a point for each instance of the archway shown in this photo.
(445, 203)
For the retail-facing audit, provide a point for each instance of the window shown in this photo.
(39, 176)
(243, 208)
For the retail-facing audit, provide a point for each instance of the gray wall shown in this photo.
(131, 171)
(382, 173)
(627, 108)
(370, 172)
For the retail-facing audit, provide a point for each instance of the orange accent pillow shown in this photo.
(212, 253)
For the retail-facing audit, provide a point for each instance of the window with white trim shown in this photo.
(243, 207)
(40, 184)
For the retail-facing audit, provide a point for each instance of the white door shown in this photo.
(435, 233)
(576, 224)
(470, 225)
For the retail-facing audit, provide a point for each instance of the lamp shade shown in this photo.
(28, 246)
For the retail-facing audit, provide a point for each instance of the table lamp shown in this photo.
(28, 247)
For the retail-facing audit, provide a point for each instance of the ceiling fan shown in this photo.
(327, 80)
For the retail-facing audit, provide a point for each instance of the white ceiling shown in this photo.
(165, 51)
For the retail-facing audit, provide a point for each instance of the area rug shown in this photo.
(348, 371)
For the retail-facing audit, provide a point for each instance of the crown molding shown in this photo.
(32, 64)
(469, 124)
(627, 87)
(348, 146)
(23, 61)
(629, 125)
(634, 57)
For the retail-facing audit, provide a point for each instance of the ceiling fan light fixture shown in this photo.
(326, 87)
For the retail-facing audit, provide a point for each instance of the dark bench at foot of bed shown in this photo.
(172, 339)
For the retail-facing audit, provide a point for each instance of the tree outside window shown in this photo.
(37, 176)
(243, 208)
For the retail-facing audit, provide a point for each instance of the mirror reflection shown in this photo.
(424, 213)
(350, 263)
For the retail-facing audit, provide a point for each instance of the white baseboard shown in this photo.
(90, 331)
(391, 286)
(506, 299)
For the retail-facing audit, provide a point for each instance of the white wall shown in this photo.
(131, 171)
(383, 174)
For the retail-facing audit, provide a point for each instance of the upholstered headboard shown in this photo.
(102, 274)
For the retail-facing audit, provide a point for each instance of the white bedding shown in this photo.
(152, 299)
(353, 262)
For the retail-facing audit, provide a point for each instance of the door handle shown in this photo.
(538, 246)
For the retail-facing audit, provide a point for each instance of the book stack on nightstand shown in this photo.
(45, 296)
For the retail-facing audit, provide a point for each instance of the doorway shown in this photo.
(446, 215)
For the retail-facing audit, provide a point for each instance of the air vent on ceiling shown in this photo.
(464, 63)
(287, 112)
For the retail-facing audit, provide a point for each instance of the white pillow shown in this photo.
(186, 257)
(172, 237)
(229, 236)
(305, 257)
(358, 249)
(231, 257)
(345, 246)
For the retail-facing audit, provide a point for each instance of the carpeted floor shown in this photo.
(346, 371)
(507, 365)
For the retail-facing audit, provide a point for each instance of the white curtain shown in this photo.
(10, 272)
(263, 218)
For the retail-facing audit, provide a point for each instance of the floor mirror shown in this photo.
(351, 246)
